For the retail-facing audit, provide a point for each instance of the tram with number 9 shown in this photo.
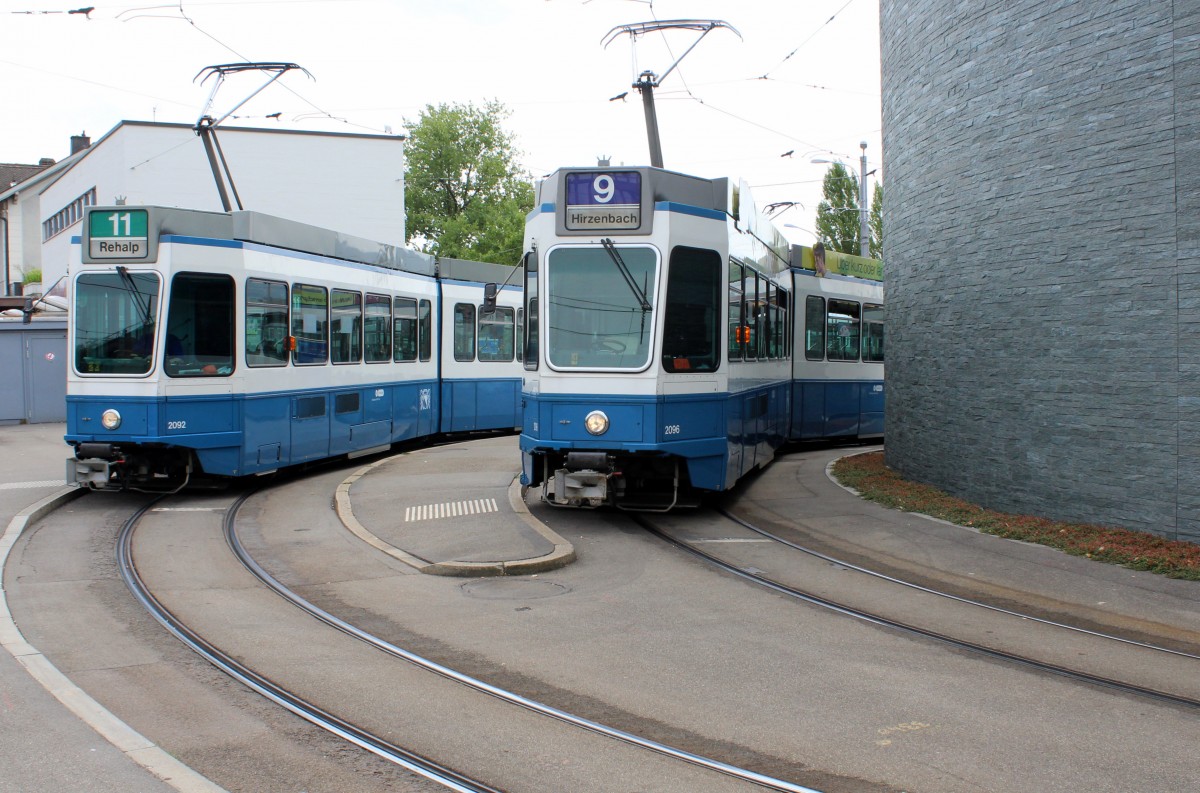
(675, 340)
(210, 345)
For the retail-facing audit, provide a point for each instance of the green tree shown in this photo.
(837, 214)
(465, 195)
(877, 222)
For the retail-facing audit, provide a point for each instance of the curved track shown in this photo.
(346, 729)
(845, 606)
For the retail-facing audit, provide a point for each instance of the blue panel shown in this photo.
(83, 418)
(691, 417)
(627, 423)
(266, 427)
(841, 410)
(498, 404)
(200, 415)
(375, 433)
(310, 435)
(221, 462)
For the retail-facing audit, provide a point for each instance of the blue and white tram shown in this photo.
(658, 344)
(837, 365)
(233, 344)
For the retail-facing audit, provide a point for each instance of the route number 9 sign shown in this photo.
(607, 200)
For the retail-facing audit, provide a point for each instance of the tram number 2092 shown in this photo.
(177, 425)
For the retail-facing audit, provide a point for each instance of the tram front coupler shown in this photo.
(584, 480)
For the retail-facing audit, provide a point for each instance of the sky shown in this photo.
(787, 81)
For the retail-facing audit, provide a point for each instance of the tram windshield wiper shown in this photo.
(638, 292)
(137, 295)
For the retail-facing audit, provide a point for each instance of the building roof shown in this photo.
(12, 174)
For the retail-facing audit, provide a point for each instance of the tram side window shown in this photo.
(310, 324)
(771, 331)
(377, 329)
(737, 332)
(842, 336)
(781, 325)
(404, 329)
(345, 332)
(496, 335)
(464, 332)
(692, 327)
(113, 313)
(531, 311)
(266, 322)
(814, 328)
(425, 318)
(761, 327)
(872, 333)
(199, 341)
(520, 331)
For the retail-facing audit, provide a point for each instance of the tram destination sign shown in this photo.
(118, 234)
(603, 200)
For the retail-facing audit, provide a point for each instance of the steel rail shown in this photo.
(887, 622)
(410, 761)
(506, 696)
(957, 598)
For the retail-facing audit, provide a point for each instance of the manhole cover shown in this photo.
(513, 589)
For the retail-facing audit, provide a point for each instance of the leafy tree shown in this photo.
(877, 222)
(837, 214)
(465, 195)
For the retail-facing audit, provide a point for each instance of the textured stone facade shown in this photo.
(1042, 252)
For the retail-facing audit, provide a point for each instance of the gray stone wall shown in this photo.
(1042, 253)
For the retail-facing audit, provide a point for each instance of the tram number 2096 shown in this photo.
(672, 429)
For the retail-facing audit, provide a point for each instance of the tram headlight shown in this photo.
(110, 419)
(596, 422)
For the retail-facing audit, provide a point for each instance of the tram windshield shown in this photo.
(601, 315)
(114, 322)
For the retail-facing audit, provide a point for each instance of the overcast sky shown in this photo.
(376, 63)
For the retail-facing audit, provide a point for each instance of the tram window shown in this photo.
(496, 335)
(520, 331)
(531, 311)
(737, 332)
(692, 327)
(310, 324)
(112, 312)
(345, 332)
(199, 340)
(760, 317)
(377, 334)
(872, 333)
(841, 342)
(425, 320)
(464, 332)
(769, 333)
(814, 328)
(782, 310)
(266, 322)
(404, 329)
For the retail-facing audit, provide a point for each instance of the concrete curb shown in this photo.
(129, 741)
(562, 555)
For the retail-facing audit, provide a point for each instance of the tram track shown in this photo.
(346, 729)
(845, 607)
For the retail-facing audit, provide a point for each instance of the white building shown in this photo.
(349, 182)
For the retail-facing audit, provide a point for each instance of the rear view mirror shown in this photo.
(489, 299)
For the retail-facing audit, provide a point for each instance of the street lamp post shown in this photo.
(864, 223)
(864, 227)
